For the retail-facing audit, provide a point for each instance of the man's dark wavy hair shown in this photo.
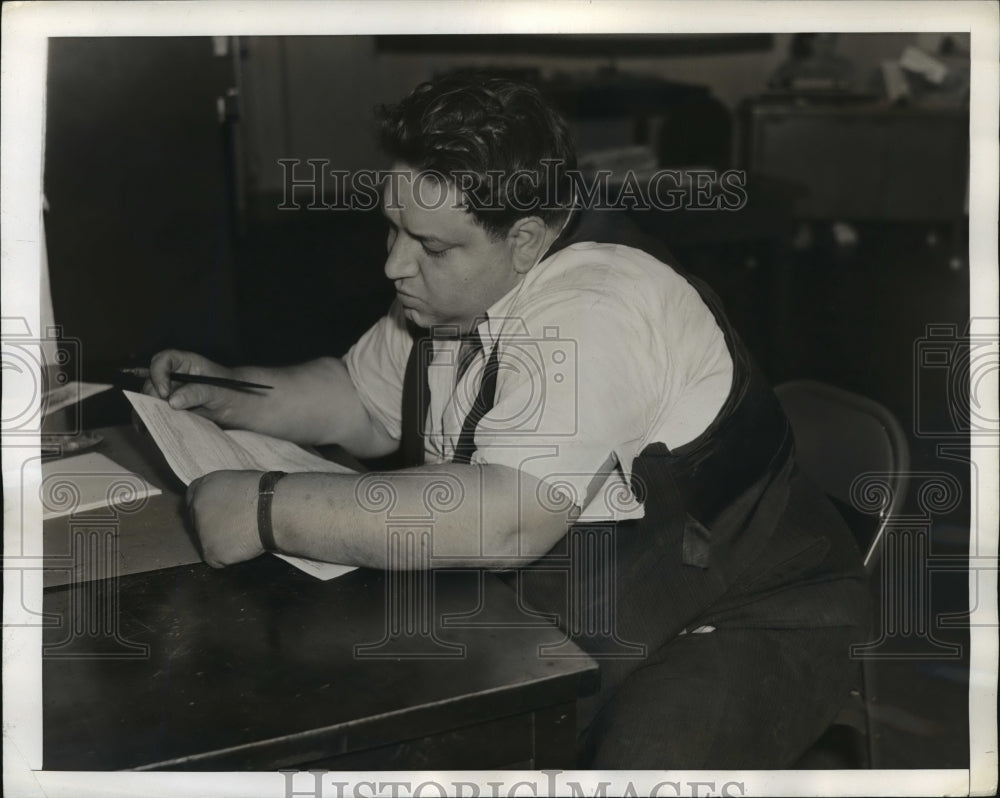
(480, 131)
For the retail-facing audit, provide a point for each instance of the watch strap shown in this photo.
(265, 493)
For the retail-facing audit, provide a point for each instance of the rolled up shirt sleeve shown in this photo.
(376, 365)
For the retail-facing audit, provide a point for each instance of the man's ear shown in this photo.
(528, 238)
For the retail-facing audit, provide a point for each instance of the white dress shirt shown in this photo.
(603, 349)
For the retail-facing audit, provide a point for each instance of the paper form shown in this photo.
(275, 454)
(194, 446)
(321, 570)
(86, 482)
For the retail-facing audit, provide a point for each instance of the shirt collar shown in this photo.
(490, 328)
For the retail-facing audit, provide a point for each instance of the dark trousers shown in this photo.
(754, 693)
(734, 698)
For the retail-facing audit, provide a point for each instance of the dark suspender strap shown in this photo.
(416, 399)
(482, 405)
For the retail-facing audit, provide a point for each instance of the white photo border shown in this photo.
(25, 30)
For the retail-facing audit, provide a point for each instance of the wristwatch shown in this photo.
(265, 493)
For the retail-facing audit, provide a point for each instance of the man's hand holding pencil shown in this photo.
(188, 381)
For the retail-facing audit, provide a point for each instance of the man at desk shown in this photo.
(560, 370)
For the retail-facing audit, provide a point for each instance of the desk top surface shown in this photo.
(149, 537)
(224, 670)
(182, 666)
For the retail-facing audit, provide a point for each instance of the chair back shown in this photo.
(840, 437)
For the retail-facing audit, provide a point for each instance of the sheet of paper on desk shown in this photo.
(321, 570)
(194, 446)
(87, 482)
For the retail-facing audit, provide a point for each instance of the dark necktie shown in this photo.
(416, 397)
(471, 346)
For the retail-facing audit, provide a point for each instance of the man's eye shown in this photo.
(435, 253)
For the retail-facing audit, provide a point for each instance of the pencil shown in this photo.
(221, 382)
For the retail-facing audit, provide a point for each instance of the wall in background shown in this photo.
(135, 173)
(313, 97)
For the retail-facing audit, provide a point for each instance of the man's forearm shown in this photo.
(311, 403)
(479, 516)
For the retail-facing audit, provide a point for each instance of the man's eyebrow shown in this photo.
(417, 236)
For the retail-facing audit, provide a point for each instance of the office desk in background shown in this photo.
(174, 665)
(868, 161)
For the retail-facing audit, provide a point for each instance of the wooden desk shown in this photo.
(146, 538)
(259, 666)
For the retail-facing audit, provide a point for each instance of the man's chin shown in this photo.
(426, 319)
(417, 317)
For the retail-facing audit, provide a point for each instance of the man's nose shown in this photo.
(401, 261)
